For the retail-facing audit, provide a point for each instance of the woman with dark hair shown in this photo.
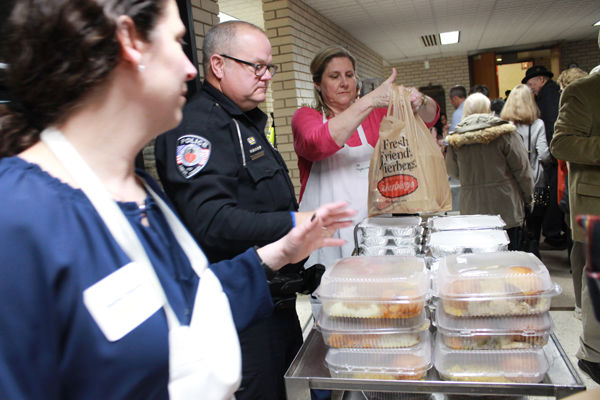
(105, 294)
(334, 139)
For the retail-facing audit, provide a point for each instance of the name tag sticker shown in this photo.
(363, 167)
(123, 300)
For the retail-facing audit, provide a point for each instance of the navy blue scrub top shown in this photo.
(54, 245)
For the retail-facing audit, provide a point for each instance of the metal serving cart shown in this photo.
(308, 371)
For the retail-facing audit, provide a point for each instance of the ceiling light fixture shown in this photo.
(449, 37)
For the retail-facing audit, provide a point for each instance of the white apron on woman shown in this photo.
(344, 176)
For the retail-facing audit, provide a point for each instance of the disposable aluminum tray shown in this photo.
(389, 250)
(444, 243)
(465, 222)
(308, 371)
(390, 226)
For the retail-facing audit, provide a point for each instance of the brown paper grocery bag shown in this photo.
(407, 173)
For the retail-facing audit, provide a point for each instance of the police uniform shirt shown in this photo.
(231, 188)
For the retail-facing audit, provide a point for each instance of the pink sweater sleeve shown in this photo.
(312, 140)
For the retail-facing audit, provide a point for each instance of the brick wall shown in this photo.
(446, 72)
(297, 32)
(583, 52)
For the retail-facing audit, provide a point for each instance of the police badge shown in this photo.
(193, 153)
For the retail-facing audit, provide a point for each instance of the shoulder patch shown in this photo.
(193, 153)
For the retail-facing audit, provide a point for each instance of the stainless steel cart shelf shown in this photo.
(308, 371)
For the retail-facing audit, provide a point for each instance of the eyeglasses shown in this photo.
(259, 69)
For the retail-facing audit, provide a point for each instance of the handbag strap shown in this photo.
(529, 140)
(115, 220)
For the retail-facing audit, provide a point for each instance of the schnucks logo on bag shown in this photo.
(397, 185)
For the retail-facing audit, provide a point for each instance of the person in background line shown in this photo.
(439, 132)
(483, 89)
(82, 313)
(232, 188)
(488, 157)
(334, 140)
(547, 94)
(564, 79)
(562, 192)
(520, 109)
(577, 141)
(496, 106)
(457, 94)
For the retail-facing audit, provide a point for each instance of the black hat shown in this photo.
(536, 70)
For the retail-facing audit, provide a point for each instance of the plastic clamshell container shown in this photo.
(508, 366)
(372, 333)
(389, 250)
(465, 222)
(375, 287)
(410, 363)
(368, 241)
(445, 243)
(494, 284)
(391, 226)
(493, 333)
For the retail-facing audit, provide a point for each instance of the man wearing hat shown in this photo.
(547, 96)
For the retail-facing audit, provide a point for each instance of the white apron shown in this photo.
(205, 356)
(344, 176)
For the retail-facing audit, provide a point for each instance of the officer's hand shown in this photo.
(308, 236)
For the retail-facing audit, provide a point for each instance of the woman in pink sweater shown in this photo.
(334, 140)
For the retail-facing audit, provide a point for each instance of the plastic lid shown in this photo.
(528, 325)
(371, 326)
(379, 278)
(443, 243)
(504, 274)
(400, 363)
(520, 366)
(465, 222)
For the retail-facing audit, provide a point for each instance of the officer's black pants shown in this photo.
(268, 348)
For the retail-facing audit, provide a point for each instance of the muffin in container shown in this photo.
(493, 333)
(372, 333)
(507, 366)
(375, 287)
(494, 284)
(390, 364)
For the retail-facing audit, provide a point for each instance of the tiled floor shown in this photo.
(566, 326)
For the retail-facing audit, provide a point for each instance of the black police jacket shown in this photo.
(232, 190)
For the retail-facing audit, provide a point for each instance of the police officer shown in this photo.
(232, 189)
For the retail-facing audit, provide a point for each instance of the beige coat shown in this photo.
(576, 140)
(489, 158)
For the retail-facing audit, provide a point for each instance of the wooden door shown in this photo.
(483, 72)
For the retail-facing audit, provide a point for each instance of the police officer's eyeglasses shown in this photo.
(259, 69)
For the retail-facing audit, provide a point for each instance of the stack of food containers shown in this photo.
(492, 317)
(373, 317)
(379, 236)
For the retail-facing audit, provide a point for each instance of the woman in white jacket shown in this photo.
(521, 109)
